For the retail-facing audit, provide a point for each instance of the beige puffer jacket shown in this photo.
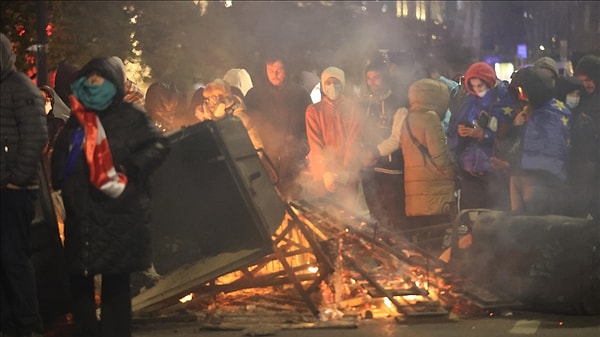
(429, 182)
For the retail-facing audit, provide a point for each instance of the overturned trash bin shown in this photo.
(214, 210)
(549, 263)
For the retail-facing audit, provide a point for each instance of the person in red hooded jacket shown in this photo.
(472, 134)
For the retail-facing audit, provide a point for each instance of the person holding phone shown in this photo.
(471, 138)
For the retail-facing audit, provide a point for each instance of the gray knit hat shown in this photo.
(547, 63)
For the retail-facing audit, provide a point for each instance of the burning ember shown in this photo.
(327, 268)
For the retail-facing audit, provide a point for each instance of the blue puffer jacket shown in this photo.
(490, 111)
(545, 144)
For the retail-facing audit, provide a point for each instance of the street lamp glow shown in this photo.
(542, 48)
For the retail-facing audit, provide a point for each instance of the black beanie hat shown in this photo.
(535, 83)
(565, 85)
(589, 65)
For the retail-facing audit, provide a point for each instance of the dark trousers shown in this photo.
(582, 197)
(18, 294)
(115, 306)
(490, 190)
(535, 193)
(384, 195)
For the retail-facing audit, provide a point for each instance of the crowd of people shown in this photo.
(101, 160)
(410, 150)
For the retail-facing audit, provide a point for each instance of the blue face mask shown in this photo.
(95, 97)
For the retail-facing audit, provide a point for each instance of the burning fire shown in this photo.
(187, 298)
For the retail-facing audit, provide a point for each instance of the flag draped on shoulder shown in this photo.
(103, 174)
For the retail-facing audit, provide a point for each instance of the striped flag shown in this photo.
(97, 152)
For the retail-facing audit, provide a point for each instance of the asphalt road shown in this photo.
(507, 325)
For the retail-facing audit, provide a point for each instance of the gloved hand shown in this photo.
(329, 179)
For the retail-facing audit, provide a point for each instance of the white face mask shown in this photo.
(48, 107)
(481, 94)
(572, 101)
(333, 91)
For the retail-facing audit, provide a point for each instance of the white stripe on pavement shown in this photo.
(525, 327)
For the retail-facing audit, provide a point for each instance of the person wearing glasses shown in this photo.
(219, 101)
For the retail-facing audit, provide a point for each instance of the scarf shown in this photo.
(97, 152)
(92, 96)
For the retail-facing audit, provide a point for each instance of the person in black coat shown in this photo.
(24, 134)
(569, 91)
(102, 162)
(277, 107)
(53, 123)
(585, 137)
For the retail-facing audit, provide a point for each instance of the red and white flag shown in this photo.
(97, 152)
